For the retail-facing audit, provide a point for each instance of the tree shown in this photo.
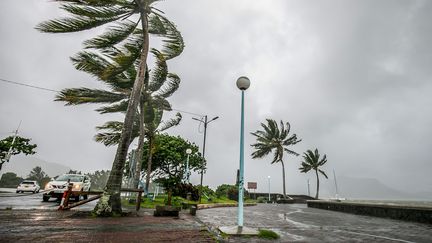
(20, 145)
(276, 139)
(37, 174)
(169, 160)
(312, 161)
(73, 172)
(88, 14)
(98, 179)
(10, 180)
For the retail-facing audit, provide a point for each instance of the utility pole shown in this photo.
(205, 122)
(9, 154)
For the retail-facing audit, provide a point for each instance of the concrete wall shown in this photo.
(418, 214)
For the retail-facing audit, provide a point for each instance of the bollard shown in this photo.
(65, 199)
(193, 210)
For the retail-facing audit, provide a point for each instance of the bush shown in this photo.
(230, 192)
(261, 199)
(182, 190)
(268, 234)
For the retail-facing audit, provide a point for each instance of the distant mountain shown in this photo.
(368, 189)
(22, 165)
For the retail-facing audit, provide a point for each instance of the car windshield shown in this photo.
(27, 183)
(73, 178)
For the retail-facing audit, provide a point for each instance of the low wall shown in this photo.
(401, 212)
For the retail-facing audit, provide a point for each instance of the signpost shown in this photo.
(252, 185)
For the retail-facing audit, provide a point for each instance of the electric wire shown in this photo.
(52, 90)
(28, 85)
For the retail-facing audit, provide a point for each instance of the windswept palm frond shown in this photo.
(76, 96)
(170, 123)
(113, 36)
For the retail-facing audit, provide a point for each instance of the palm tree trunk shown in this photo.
(110, 202)
(316, 196)
(149, 162)
(139, 151)
(283, 178)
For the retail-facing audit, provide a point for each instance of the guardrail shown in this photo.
(64, 204)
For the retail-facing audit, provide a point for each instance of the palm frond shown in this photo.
(112, 36)
(76, 96)
(159, 73)
(169, 87)
(116, 107)
(170, 123)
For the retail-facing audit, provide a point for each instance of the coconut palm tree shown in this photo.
(274, 139)
(88, 14)
(312, 161)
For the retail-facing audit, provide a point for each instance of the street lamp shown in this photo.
(205, 122)
(268, 177)
(188, 152)
(243, 83)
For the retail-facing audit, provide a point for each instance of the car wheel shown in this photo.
(17, 191)
(45, 198)
(34, 192)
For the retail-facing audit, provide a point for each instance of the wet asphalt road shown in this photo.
(29, 200)
(298, 223)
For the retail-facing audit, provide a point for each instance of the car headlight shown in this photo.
(48, 186)
(77, 186)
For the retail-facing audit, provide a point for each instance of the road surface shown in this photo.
(11, 200)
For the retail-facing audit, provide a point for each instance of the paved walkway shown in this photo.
(298, 223)
(73, 226)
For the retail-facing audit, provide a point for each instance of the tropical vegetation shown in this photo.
(14, 145)
(277, 140)
(126, 42)
(312, 161)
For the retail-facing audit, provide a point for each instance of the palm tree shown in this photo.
(88, 14)
(274, 139)
(159, 85)
(153, 126)
(311, 161)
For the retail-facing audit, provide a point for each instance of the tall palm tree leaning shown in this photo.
(276, 139)
(312, 161)
(88, 14)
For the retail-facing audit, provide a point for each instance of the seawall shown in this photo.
(401, 212)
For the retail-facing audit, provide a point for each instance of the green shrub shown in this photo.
(268, 234)
(261, 199)
(183, 189)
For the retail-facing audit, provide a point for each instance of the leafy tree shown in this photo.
(312, 161)
(74, 172)
(169, 160)
(20, 145)
(98, 179)
(88, 14)
(275, 139)
(37, 174)
(10, 180)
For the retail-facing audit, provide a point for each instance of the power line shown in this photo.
(187, 112)
(52, 90)
(27, 85)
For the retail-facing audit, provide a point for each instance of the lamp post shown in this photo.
(268, 177)
(205, 122)
(243, 83)
(188, 152)
(308, 187)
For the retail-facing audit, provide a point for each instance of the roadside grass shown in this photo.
(268, 234)
(148, 202)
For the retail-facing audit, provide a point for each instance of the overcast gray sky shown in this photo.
(352, 77)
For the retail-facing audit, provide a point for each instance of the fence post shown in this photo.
(138, 205)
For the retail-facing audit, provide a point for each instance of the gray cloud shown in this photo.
(352, 78)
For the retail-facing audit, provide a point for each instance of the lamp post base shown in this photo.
(238, 230)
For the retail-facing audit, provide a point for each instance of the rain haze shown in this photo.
(353, 78)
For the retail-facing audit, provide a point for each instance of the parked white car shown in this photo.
(56, 188)
(28, 186)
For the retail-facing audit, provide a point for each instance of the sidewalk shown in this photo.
(79, 226)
